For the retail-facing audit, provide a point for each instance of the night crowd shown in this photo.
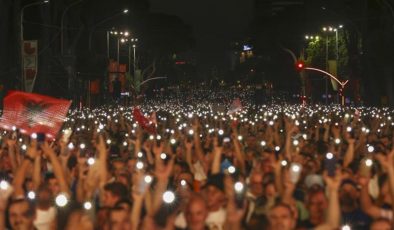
(203, 162)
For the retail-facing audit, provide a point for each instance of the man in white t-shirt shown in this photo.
(214, 194)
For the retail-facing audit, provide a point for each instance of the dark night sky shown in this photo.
(215, 23)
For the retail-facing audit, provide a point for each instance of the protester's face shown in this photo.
(196, 214)
(44, 199)
(214, 197)
(256, 184)
(120, 220)
(317, 205)
(118, 167)
(348, 195)
(78, 220)
(109, 200)
(280, 218)
(19, 216)
(54, 186)
(270, 190)
(380, 225)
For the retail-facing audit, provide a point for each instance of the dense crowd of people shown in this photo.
(203, 162)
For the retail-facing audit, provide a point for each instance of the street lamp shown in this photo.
(312, 37)
(62, 24)
(332, 29)
(22, 37)
(132, 44)
(125, 11)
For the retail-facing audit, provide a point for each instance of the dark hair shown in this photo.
(123, 201)
(31, 206)
(48, 176)
(117, 189)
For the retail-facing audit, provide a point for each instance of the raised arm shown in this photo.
(57, 168)
(333, 212)
(349, 155)
(20, 175)
(367, 205)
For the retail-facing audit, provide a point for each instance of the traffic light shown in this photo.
(300, 65)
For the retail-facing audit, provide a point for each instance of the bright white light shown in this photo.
(34, 136)
(24, 147)
(277, 148)
(13, 128)
(31, 195)
(368, 162)
(191, 132)
(240, 138)
(349, 129)
(221, 132)
(61, 200)
(70, 146)
(295, 168)
(140, 165)
(304, 136)
(4, 185)
(263, 143)
(346, 227)
(283, 163)
(140, 154)
(82, 146)
(271, 123)
(371, 149)
(337, 141)
(125, 11)
(238, 187)
(91, 161)
(151, 137)
(87, 205)
(163, 156)
(109, 141)
(172, 141)
(168, 197)
(329, 156)
(231, 169)
(148, 179)
(183, 183)
(295, 142)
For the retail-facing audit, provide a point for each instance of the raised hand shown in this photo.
(333, 183)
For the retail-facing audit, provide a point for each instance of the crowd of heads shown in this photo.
(206, 164)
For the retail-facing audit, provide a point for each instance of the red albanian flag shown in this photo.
(34, 113)
(144, 122)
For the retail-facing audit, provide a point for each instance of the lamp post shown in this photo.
(331, 29)
(132, 44)
(125, 11)
(22, 37)
(62, 24)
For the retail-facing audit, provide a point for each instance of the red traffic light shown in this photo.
(300, 65)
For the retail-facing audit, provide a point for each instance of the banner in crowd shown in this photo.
(148, 124)
(235, 107)
(30, 63)
(34, 113)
